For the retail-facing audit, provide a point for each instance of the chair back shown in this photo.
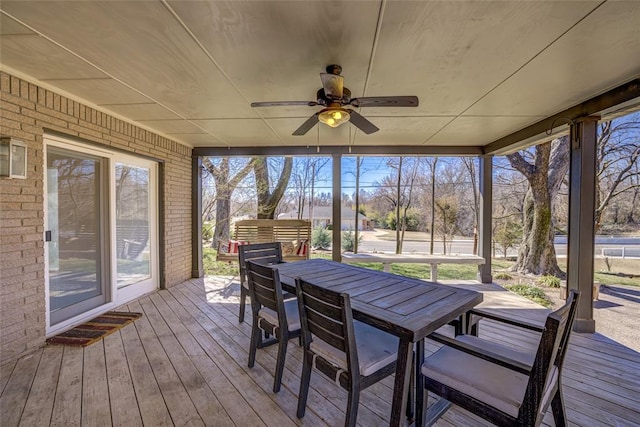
(265, 288)
(263, 253)
(552, 348)
(326, 315)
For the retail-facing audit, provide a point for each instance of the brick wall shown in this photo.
(25, 110)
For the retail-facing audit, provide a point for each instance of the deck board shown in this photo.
(95, 408)
(67, 409)
(120, 383)
(16, 392)
(37, 410)
(176, 397)
(5, 373)
(185, 363)
(152, 407)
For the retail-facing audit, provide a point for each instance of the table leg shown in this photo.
(404, 368)
(419, 381)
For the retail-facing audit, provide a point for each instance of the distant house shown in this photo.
(322, 218)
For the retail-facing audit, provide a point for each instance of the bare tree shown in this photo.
(304, 174)
(448, 218)
(359, 161)
(268, 196)
(617, 161)
(402, 198)
(225, 182)
(470, 165)
(398, 205)
(545, 167)
(433, 163)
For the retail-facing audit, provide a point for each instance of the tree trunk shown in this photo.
(471, 168)
(433, 203)
(537, 253)
(398, 239)
(268, 200)
(223, 209)
(225, 185)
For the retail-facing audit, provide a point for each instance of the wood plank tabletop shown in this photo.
(406, 307)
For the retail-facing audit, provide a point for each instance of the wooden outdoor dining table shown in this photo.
(409, 308)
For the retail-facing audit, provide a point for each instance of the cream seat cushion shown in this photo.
(376, 349)
(488, 382)
(291, 312)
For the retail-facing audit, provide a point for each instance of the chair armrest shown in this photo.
(482, 353)
(519, 323)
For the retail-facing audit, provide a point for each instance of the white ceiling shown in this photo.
(189, 69)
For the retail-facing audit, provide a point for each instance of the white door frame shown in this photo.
(115, 296)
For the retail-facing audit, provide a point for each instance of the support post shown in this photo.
(196, 217)
(337, 208)
(580, 249)
(485, 217)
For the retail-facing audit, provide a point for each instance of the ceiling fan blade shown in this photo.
(332, 84)
(282, 103)
(361, 123)
(306, 126)
(385, 101)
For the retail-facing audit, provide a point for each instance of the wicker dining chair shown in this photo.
(271, 314)
(353, 354)
(498, 383)
(263, 253)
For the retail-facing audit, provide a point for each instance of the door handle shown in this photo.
(47, 236)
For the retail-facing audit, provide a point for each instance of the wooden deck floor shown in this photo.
(184, 363)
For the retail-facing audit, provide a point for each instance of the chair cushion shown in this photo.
(302, 247)
(288, 248)
(493, 384)
(291, 313)
(233, 245)
(376, 349)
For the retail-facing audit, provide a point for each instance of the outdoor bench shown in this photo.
(294, 235)
(434, 260)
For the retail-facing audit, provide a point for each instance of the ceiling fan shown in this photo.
(334, 96)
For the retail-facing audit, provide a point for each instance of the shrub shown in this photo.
(549, 281)
(207, 230)
(413, 220)
(348, 240)
(502, 276)
(533, 293)
(507, 234)
(320, 238)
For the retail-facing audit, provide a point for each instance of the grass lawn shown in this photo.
(418, 271)
(621, 269)
(526, 286)
(454, 271)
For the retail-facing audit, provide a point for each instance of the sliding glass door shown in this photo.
(75, 237)
(135, 219)
(101, 237)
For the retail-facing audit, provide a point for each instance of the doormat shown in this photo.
(94, 330)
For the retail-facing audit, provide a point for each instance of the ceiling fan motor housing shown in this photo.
(325, 100)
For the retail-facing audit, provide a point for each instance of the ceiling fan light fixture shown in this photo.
(334, 117)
